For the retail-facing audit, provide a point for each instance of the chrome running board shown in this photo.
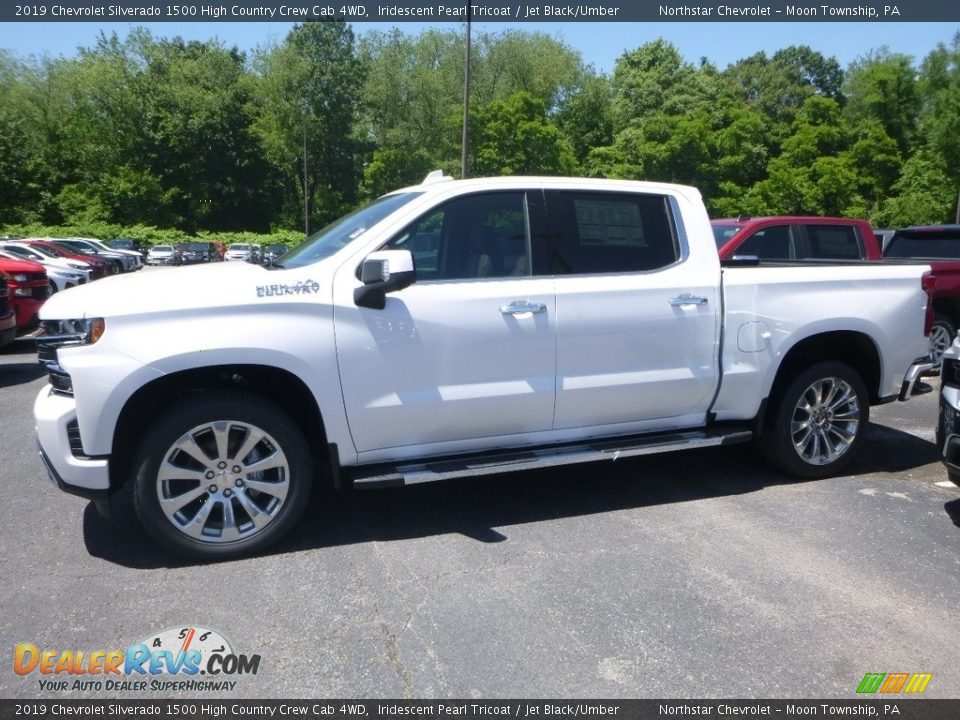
(552, 456)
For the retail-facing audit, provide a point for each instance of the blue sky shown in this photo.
(599, 43)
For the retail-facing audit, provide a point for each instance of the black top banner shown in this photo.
(498, 11)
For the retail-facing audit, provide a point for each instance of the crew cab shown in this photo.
(788, 237)
(460, 328)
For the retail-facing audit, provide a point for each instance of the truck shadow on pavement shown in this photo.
(474, 507)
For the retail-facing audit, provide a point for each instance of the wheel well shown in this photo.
(281, 387)
(949, 307)
(853, 348)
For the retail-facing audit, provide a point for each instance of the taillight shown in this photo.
(929, 283)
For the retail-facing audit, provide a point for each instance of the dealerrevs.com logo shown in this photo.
(188, 658)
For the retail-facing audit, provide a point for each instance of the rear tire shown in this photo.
(941, 338)
(818, 422)
(221, 475)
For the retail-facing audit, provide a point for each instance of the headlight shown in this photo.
(56, 334)
(20, 277)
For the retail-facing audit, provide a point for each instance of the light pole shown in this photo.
(306, 182)
(466, 101)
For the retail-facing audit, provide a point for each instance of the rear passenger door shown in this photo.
(637, 317)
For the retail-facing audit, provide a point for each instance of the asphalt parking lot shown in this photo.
(698, 574)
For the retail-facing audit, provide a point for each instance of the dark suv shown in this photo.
(129, 244)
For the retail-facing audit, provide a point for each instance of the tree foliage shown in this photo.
(173, 138)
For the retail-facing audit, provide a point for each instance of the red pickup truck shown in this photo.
(786, 238)
(796, 238)
(29, 287)
(8, 320)
(938, 245)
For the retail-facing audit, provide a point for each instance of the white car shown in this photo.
(461, 328)
(59, 278)
(49, 260)
(103, 247)
(239, 251)
(160, 255)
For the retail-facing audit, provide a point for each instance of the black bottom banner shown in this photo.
(912, 709)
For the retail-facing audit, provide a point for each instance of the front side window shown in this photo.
(470, 237)
(770, 243)
(601, 232)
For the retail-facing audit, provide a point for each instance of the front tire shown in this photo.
(221, 476)
(819, 422)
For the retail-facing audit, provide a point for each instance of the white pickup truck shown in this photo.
(460, 328)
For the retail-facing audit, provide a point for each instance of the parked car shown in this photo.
(134, 255)
(60, 278)
(99, 267)
(59, 270)
(29, 287)
(129, 244)
(8, 318)
(256, 253)
(196, 252)
(418, 339)
(240, 251)
(273, 252)
(160, 255)
(118, 262)
(220, 250)
(938, 245)
(784, 238)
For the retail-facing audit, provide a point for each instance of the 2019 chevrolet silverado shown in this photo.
(460, 328)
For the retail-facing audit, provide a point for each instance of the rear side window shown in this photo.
(833, 242)
(599, 232)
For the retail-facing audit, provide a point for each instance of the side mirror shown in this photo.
(383, 272)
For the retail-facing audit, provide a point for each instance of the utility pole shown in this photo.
(306, 181)
(466, 101)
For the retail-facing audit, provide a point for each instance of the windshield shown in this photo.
(121, 244)
(342, 232)
(43, 251)
(162, 248)
(940, 243)
(723, 233)
(240, 247)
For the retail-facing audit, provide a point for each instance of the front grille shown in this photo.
(41, 292)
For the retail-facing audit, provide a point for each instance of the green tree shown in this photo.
(516, 137)
(312, 83)
(882, 87)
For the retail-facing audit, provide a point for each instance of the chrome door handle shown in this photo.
(688, 299)
(519, 307)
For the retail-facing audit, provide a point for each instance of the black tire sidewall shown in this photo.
(777, 443)
(213, 406)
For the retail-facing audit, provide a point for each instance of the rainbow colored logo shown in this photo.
(891, 683)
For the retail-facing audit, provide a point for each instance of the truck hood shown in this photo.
(180, 289)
